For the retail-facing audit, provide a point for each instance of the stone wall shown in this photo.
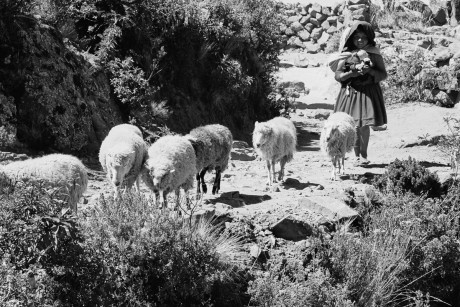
(311, 26)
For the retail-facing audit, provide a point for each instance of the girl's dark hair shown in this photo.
(364, 27)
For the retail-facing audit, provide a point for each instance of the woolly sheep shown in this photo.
(122, 155)
(170, 165)
(275, 140)
(213, 145)
(337, 138)
(65, 172)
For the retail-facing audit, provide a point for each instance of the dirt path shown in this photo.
(244, 184)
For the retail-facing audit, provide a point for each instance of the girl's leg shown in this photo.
(364, 140)
(357, 146)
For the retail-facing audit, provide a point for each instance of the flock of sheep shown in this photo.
(173, 162)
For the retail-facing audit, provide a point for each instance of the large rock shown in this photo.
(290, 228)
(62, 102)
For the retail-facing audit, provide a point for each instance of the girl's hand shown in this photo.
(365, 70)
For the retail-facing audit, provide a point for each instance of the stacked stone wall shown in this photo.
(311, 26)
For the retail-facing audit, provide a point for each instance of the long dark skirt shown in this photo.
(365, 104)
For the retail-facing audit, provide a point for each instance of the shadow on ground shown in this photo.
(307, 140)
(296, 184)
(313, 106)
(236, 200)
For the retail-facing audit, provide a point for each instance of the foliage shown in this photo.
(184, 53)
(392, 16)
(35, 228)
(408, 176)
(154, 257)
(372, 265)
(402, 85)
(123, 253)
(450, 144)
(39, 242)
(304, 280)
(333, 43)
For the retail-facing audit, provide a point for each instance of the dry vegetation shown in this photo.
(405, 251)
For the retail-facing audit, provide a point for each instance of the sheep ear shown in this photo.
(172, 171)
(257, 123)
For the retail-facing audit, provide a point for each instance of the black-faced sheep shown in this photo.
(275, 140)
(122, 155)
(213, 145)
(64, 172)
(337, 138)
(170, 165)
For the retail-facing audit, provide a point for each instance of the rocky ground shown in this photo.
(307, 194)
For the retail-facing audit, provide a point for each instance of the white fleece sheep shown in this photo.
(213, 145)
(337, 138)
(170, 165)
(122, 155)
(64, 172)
(275, 140)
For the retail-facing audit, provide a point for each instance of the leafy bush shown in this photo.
(408, 176)
(123, 253)
(402, 85)
(394, 17)
(431, 226)
(154, 257)
(39, 244)
(304, 280)
(205, 59)
(450, 144)
(35, 228)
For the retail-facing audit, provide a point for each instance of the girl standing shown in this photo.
(360, 94)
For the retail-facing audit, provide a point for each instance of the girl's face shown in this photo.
(360, 39)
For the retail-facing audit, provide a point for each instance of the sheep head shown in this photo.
(261, 135)
(161, 178)
(119, 166)
(330, 132)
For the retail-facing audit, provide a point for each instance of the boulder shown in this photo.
(290, 228)
(65, 103)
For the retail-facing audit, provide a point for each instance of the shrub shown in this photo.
(290, 283)
(450, 144)
(40, 246)
(34, 227)
(402, 85)
(212, 57)
(408, 176)
(431, 264)
(154, 257)
(393, 17)
(372, 266)
(333, 43)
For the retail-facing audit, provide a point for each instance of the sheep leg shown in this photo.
(269, 173)
(137, 186)
(281, 173)
(333, 170)
(203, 183)
(158, 199)
(343, 165)
(216, 185)
(198, 182)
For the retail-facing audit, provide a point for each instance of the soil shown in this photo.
(410, 131)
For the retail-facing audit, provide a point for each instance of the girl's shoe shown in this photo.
(357, 161)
